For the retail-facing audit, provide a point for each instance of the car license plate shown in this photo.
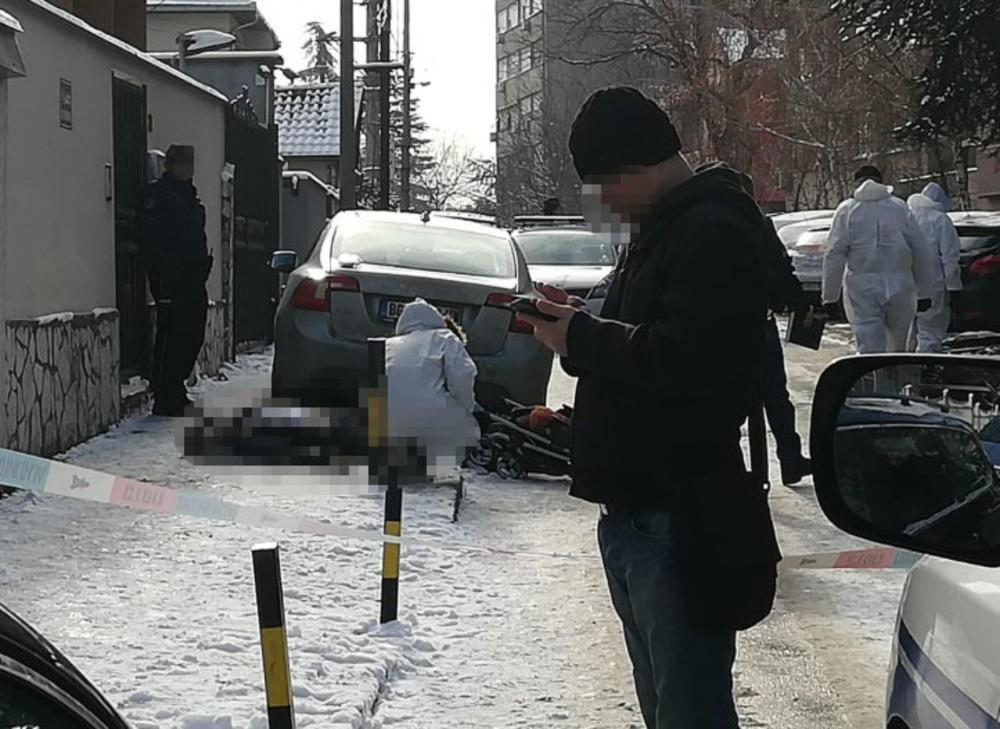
(392, 308)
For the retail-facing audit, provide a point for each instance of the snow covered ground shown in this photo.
(159, 611)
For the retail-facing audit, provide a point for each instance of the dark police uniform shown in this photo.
(176, 258)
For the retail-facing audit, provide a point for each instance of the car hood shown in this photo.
(570, 277)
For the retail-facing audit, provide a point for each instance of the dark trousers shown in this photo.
(682, 672)
(777, 402)
(180, 334)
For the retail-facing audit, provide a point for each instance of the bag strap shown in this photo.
(758, 447)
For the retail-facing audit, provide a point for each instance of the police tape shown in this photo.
(41, 475)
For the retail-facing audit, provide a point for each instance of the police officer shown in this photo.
(175, 254)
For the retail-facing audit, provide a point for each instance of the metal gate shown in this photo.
(253, 150)
(129, 117)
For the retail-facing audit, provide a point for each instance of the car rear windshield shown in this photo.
(567, 249)
(978, 239)
(427, 248)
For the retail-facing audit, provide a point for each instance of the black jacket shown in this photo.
(174, 245)
(669, 371)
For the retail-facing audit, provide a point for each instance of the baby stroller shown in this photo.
(518, 440)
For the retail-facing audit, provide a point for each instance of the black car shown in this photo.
(978, 306)
(40, 687)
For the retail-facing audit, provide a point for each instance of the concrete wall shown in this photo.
(303, 216)
(162, 29)
(60, 227)
(60, 327)
(228, 76)
(325, 168)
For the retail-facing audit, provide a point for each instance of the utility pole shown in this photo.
(348, 150)
(372, 81)
(404, 181)
(385, 100)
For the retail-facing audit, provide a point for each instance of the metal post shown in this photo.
(404, 178)
(390, 551)
(273, 640)
(371, 81)
(380, 458)
(385, 101)
(348, 152)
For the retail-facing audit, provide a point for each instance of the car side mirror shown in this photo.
(904, 452)
(284, 261)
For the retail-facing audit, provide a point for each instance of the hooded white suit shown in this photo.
(430, 378)
(888, 267)
(929, 208)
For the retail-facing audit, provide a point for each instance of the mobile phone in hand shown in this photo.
(528, 305)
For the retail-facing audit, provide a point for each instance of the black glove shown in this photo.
(831, 311)
(923, 305)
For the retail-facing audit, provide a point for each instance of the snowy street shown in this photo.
(159, 611)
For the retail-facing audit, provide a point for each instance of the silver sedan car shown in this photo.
(366, 267)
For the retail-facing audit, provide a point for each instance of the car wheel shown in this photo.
(508, 467)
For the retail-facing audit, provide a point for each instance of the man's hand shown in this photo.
(830, 310)
(559, 296)
(923, 305)
(552, 334)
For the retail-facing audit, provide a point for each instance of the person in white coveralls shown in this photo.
(430, 379)
(930, 208)
(889, 270)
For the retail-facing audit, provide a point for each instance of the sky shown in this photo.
(454, 47)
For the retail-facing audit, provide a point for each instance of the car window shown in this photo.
(912, 461)
(567, 249)
(24, 708)
(426, 248)
(977, 240)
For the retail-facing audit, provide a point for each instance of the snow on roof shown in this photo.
(308, 119)
(199, 5)
(124, 47)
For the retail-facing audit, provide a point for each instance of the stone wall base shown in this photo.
(63, 380)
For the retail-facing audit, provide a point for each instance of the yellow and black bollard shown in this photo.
(382, 461)
(273, 639)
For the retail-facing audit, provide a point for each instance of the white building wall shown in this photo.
(62, 373)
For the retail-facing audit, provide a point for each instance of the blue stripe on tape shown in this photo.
(23, 471)
(956, 699)
(191, 503)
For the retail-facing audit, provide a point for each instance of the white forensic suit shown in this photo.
(930, 208)
(430, 379)
(878, 255)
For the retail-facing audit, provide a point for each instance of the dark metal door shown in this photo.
(253, 150)
(129, 115)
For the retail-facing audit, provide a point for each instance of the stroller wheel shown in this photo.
(508, 467)
(484, 455)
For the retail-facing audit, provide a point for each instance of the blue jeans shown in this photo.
(683, 673)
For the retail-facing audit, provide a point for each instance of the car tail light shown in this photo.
(314, 294)
(500, 301)
(985, 266)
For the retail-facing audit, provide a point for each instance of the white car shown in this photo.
(924, 480)
(573, 257)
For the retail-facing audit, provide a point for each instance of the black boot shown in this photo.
(793, 473)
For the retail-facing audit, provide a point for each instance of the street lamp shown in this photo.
(194, 42)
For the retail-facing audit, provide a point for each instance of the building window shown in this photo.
(537, 53)
(526, 58)
(502, 26)
(530, 8)
(536, 103)
(513, 15)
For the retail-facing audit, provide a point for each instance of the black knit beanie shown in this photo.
(618, 127)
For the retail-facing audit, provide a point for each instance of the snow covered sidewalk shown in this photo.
(159, 611)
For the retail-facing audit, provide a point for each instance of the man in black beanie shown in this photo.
(667, 374)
